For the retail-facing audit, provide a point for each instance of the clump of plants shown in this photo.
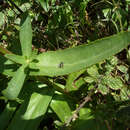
(64, 65)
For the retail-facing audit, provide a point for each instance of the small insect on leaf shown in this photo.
(61, 65)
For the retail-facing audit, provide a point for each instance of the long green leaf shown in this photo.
(50, 62)
(31, 112)
(15, 84)
(16, 58)
(26, 35)
(73, 59)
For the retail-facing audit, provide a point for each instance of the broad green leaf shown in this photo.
(60, 106)
(116, 44)
(125, 93)
(15, 84)
(26, 6)
(127, 77)
(44, 4)
(7, 114)
(11, 13)
(93, 71)
(109, 68)
(110, 64)
(16, 58)
(113, 60)
(32, 111)
(89, 79)
(103, 89)
(122, 68)
(26, 35)
(62, 62)
(114, 83)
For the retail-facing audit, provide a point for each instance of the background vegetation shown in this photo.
(94, 98)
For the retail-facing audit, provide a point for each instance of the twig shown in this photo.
(86, 99)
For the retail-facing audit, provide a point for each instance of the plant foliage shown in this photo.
(64, 65)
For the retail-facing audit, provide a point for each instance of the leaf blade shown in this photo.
(15, 84)
(45, 4)
(32, 111)
(75, 59)
(60, 106)
(16, 58)
(26, 35)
